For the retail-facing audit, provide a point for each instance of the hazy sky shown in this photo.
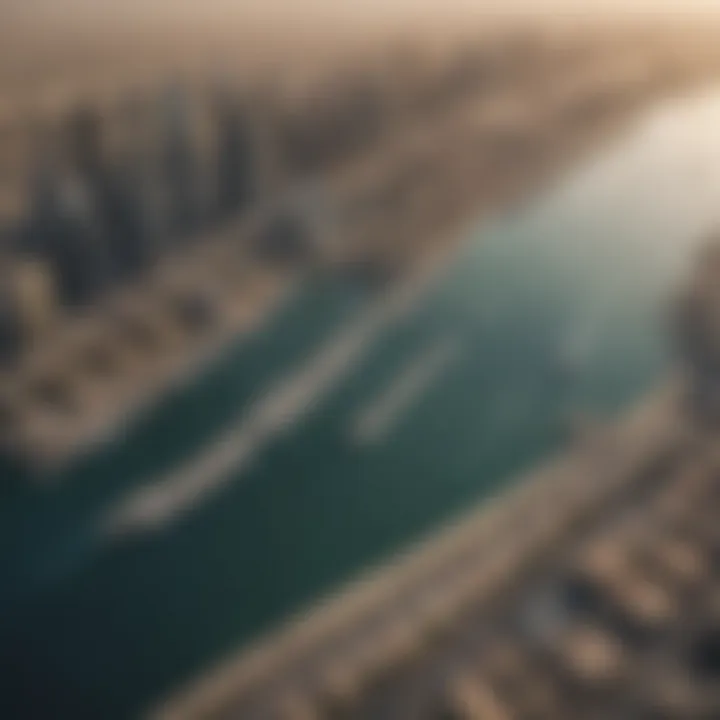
(165, 12)
(201, 7)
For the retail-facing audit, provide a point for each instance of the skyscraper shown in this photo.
(9, 326)
(180, 166)
(84, 142)
(63, 228)
(236, 158)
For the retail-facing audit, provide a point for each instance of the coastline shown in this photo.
(47, 445)
(410, 194)
(568, 485)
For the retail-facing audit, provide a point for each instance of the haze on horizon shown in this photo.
(50, 46)
(146, 11)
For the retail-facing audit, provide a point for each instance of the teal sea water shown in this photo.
(552, 310)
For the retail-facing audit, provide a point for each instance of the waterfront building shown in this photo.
(64, 229)
(697, 328)
(88, 198)
(34, 295)
(237, 171)
(180, 163)
(84, 142)
(9, 326)
(143, 167)
(302, 226)
(28, 304)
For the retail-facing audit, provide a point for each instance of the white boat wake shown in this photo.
(155, 506)
(377, 419)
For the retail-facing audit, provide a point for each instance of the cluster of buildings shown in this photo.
(150, 229)
(153, 229)
(107, 195)
(108, 188)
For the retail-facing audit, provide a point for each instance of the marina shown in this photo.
(519, 286)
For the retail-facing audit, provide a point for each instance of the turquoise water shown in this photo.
(555, 309)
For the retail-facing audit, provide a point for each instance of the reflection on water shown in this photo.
(558, 309)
